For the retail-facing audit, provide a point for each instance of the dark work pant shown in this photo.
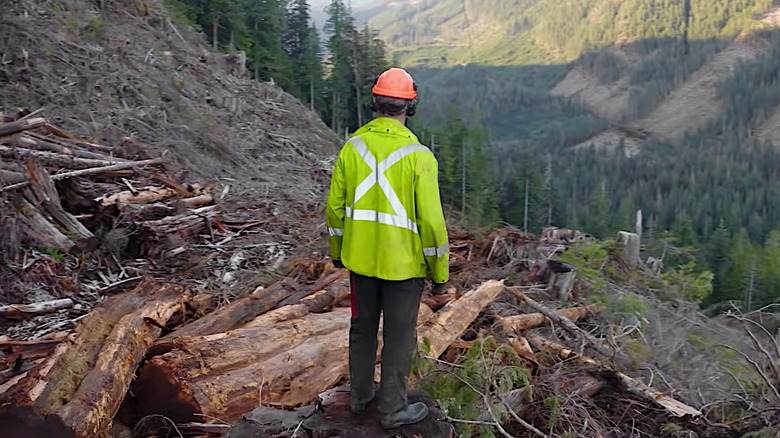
(399, 301)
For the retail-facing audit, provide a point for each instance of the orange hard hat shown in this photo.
(397, 83)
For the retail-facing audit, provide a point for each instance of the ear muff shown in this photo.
(412, 109)
(373, 96)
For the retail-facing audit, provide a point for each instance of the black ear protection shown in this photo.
(411, 110)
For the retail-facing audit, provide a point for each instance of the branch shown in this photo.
(755, 365)
(565, 322)
(91, 171)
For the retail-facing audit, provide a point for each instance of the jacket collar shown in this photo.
(387, 125)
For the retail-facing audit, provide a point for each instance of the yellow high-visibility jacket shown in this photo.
(384, 213)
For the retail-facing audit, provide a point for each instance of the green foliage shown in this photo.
(687, 282)
(590, 260)
(54, 254)
(488, 368)
(514, 32)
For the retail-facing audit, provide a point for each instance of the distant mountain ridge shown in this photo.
(521, 32)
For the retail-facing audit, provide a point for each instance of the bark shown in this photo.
(436, 302)
(54, 159)
(669, 404)
(10, 177)
(319, 285)
(449, 323)
(564, 322)
(38, 229)
(288, 361)
(21, 125)
(67, 138)
(91, 171)
(631, 247)
(42, 193)
(40, 144)
(561, 280)
(42, 308)
(231, 316)
(533, 320)
(77, 390)
(157, 236)
(144, 195)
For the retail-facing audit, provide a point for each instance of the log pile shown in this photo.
(65, 193)
(204, 361)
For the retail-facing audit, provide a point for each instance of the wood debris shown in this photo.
(204, 359)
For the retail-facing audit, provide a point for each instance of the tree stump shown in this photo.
(331, 416)
(631, 247)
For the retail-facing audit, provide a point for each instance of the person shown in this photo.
(386, 226)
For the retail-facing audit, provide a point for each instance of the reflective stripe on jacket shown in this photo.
(384, 213)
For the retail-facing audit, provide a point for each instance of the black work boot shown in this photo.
(410, 414)
(358, 407)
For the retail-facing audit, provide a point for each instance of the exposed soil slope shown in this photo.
(112, 69)
(695, 103)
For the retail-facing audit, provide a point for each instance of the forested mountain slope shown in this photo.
(515, 32)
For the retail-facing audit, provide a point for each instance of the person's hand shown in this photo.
(438, 289)
(338, 264)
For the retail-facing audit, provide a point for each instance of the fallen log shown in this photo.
(436, 302)
(38, 229)
(93, 171)
(533, 320)
(42, 193)
(10, 177)
(157, 236)
(42, 308)
(55, 159)
(68, 137)
(564, 322)
(21, 125)
(271, 361)
(144, 195)
(449, 323)
(669, 404)
(77, 390)
(39, 144)
(231, 316)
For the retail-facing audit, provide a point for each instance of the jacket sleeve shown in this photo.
(430, 219)
(336, 208)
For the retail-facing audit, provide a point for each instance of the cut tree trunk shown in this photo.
(38, 229)
(78, 389)
(449, 323)
(92, 171)
(148, 195)
(631, 247)
(54, 159)
(564, 322)
(231, 316)
(174, 231)
(561, 280)
(43, 308)
(669, 404)
(39, 144)
(288, 361)
(43, 194)
(533, 320)
(21, 125)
